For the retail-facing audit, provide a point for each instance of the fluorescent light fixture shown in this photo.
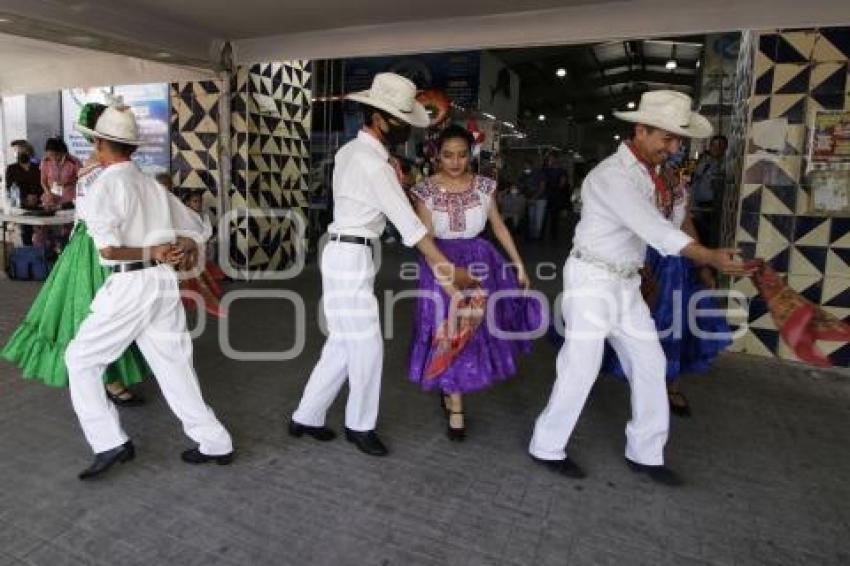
(542, 117)
(488, 115)
(671, 65)
(631, 105)
(600, 117)
(561, 72)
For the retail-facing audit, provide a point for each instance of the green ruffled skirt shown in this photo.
(38, 345)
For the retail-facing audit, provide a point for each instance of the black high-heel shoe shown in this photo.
(455, 434)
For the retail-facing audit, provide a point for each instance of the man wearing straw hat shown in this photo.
(140, 231)
(366, 192)
(602, 298)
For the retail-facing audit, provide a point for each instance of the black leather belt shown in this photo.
(131, 266)
(350, 239)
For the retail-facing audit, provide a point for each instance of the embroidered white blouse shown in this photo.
(456, 215)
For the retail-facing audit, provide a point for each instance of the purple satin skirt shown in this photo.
(485, 359)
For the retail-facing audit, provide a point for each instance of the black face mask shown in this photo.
(23, 158)
(398, 133)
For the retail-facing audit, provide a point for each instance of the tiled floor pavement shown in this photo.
(765, 456)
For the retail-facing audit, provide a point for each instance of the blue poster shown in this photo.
(149, 103)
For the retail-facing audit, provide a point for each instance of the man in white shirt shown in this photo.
(602, 297)
(366, 193)
(140, 231)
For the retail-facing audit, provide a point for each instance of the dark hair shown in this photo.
(404, 164)
(187, 194)
(369, 111)
(649, 129)
(124, 149)
(56, 144)
(455, 132)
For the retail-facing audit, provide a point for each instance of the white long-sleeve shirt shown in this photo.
(124, 207)
(367, 192)
(619, 216)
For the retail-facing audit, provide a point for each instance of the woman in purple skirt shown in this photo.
(456, 205)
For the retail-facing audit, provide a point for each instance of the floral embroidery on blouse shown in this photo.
(454, 205)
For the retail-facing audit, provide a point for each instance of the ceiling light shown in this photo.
(671, 65)
(5, 21)
(542, 117)
(617, 137)
(488, 115)
(561, 72)
(163, 55)
(600, 117)
(631, 105)
(698, 63)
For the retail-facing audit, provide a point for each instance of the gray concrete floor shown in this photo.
(765, 458)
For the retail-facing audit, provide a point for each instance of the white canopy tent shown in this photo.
(31, 65)
(192, 32)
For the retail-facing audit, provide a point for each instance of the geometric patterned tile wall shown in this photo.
(195, 139)
(796, 73)
(271, 122)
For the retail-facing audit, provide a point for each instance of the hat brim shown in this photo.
(418, 117)
(698, 128)
(95, 134)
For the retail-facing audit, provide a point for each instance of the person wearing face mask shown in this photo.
(456, 205)
(25, 174)
(366, 192)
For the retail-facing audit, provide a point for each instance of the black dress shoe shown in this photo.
(125, 398)
(658, 474)
(321, 433)
(565, 467)
(105, 460)
(368, 442)
(195, 456)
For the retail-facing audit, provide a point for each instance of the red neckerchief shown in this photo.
(664, 196)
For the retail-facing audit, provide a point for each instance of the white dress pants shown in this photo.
(354, 349)
(142, 306)
(599, 305)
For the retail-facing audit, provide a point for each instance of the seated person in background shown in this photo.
(59, 172)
